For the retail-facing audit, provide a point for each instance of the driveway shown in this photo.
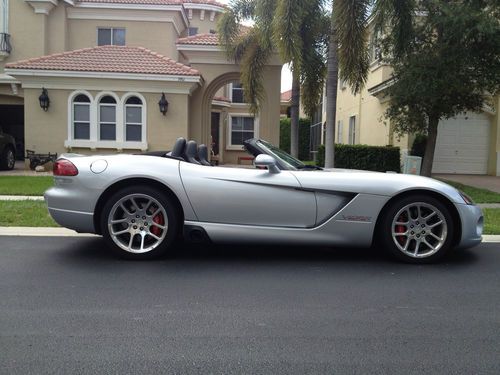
(66, 306)
(484, 182)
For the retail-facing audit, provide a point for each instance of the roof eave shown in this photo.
(24, 72)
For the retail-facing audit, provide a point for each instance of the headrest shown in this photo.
(203, 155)
(192, 152)
(178, 150)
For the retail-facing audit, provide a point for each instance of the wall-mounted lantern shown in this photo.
(44, 100)
(163, 104)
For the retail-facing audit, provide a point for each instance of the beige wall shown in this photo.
(371, 127)
(25, 28)
(11, 100)
(47, 131)
(157, 36)
(270, 110)
(204, 26)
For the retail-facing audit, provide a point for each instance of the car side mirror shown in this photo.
(263, 160)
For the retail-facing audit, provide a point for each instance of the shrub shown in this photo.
(369, 158)
(304, 130)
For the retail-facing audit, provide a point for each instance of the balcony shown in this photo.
(5, 47)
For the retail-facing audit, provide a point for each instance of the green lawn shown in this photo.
(478, 195)
(25, 185)
(25, 214)
(491, 220)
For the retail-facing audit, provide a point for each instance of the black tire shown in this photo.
(172, 223)
(414, 228)
(7, 158)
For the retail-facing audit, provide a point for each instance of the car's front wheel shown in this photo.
(8, 159)
(417, 229)
(139, 223)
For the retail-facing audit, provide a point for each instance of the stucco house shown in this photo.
(106, 64)
(467, 144)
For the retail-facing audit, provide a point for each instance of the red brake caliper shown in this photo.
(400, 229)
(158, 219)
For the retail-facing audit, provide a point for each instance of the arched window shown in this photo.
(133, 119)
(107, 118)
(81, 117)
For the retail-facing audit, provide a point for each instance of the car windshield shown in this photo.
(277, 153)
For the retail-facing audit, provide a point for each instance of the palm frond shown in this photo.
(313, 80)
(252, 69)
(350, 27)
(286, 30)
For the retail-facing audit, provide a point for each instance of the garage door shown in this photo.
(462, 145)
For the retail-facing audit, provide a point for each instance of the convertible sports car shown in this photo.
(142, 204)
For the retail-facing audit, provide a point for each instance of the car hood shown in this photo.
(368, 182)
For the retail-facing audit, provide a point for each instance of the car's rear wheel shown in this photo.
(417, 229)
(140, 223)
(8, 158)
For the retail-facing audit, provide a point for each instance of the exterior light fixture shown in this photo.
(163, 103)
(44, 99)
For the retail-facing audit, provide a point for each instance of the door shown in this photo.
(247, 196)
(215, 132)
(462, 145)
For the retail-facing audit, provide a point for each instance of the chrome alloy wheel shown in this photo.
(137, 223)
(11, 159)
(419, 230)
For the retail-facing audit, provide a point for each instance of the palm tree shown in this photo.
(284, 26)
(348, 59)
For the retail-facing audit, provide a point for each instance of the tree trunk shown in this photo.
(430, 147)
(331, 101)
(294, 116)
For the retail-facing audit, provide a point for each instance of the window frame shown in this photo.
(352, 130)
(143, 116)
(231, 88)
(195, 29)
(112, 35)
(73, 119)
(100, 122)
(94, 142)
(340, 131)
(229, 144)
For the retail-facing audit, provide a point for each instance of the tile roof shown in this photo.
(110, 59)
(200, 39)
(155, 2)
(286, 96)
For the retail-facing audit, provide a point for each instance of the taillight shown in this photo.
(64, 167)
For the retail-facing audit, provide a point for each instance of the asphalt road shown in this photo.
(67, 306)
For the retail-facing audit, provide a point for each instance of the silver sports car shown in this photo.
(142, 204)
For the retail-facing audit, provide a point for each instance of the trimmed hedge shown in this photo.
(304, 129)
(364, 157)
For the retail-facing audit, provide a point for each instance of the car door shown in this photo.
(247, 196)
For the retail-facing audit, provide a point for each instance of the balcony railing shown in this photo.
(5, 43)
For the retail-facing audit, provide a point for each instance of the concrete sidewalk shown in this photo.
(484, 182)
(21, 197)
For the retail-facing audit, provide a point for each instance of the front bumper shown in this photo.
(472, 225)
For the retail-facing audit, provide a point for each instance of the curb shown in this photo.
(21, 198)
(42, 232)
(63, 232)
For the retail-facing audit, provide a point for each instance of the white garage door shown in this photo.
(462, 145)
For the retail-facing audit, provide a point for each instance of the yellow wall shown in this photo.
(204, 26)
(47, 131)
(371, 126)
(269, 116)
(156, 36)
